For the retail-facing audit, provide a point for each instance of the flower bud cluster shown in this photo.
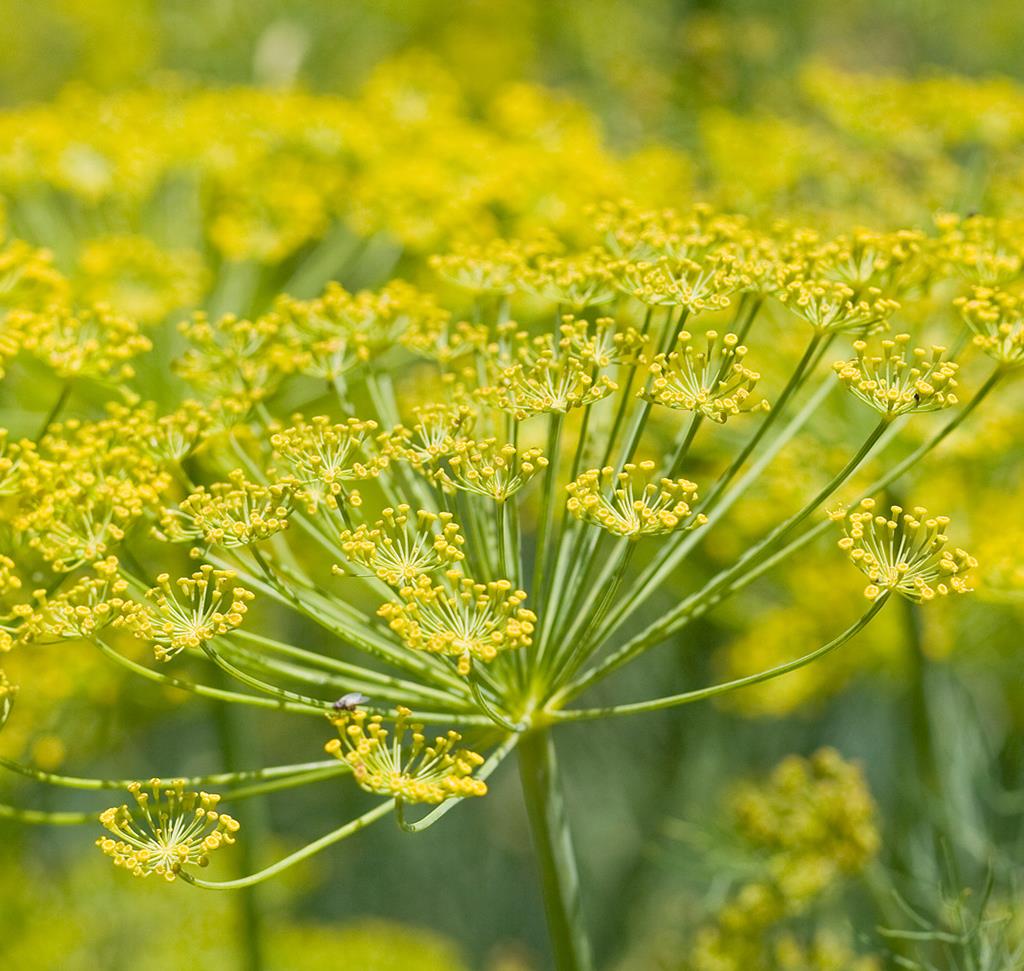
(894, 385)
(168, 830)
(630, 504)
(186, 613)
(398, 548)
(906, 553)
(402, 763)
(461, 619)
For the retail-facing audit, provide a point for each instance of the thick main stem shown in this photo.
(552, 843)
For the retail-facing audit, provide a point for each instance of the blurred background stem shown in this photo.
(234, 738)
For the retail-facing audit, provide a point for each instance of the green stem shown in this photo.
(671, 701)
(553, 848)
(653, 575)
(260, 685)
(804, 368)
(274, 772)
(37, 817)
(232, 733)
(556, 421)
(311, 849)
(204, 690)
(661, 628)
(321, 675)
(54, 412)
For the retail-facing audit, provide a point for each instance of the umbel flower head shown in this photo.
(905, 552)
(577, 282)
(469, 621)
(815, 817)
(489, 469)
(402, 763)
(710, 380)
(497, 266)
(895, 386)
(187, 612)
(985, 249)
(93, 342)
(997, 319)
(76, 521)
(682, 282)
(398, 549)
(83, 610)
(339, 331)
(323, 457)
(166, 438)
(436, 432)
(864, 258)
(166, 831)
(14, 614)
(543, 374)
(228, 514)
(629, 503)
(237, 359)
(832, 307)
(28, 281)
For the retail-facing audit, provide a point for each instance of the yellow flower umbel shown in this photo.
(80, 490)
(238, 360)
(436, 433)
(894, 386)
(864, 258)
(387, 764)
(28, 281)
(626, 504)
(398, 550)
(682, 282)
(985, 250)
(14, 614)
(85, 609)
(817, 818)
(338, 330)
(905, 553)
(437, 338)
(832, 307)
(576, 282)
(997, 319)
(167, 438)
(469, 621)
(808, 827)
(168, 829)
(187, 612)
(92, 342)
(322, 458)
(711, 380)
(543, 374)
(489, 469)
(75, 522)
(496, 267)
(228, 514)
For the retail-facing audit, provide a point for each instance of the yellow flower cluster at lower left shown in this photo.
(168, 829)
